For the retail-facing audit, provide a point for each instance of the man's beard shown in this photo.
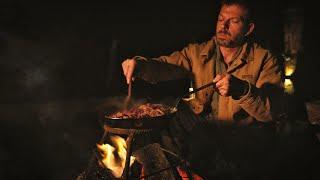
(229, 43)
(225, 43)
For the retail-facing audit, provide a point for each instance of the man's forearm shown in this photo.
(256, 104)
(155, 71)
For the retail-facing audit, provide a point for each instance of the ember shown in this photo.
(142, 111)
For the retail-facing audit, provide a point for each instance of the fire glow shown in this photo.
(114, 158)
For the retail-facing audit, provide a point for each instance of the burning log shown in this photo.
(154, 163)
(95, 171)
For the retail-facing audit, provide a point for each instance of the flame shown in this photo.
(288, 86)
(114, 158)
(289, 70)
(290, 65)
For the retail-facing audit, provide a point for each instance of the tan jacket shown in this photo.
(254, 64)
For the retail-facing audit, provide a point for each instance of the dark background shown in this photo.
(59, 60)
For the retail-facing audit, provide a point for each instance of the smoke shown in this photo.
(112, 62)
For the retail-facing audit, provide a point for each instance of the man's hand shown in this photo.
(228, 85)
(128, 67)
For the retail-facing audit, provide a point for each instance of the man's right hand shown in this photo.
(128, 67)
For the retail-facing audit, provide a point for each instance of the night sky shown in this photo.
(59, 59)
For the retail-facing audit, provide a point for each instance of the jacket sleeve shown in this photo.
(174, 66)
(263, 100)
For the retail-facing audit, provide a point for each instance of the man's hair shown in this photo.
(242, 3)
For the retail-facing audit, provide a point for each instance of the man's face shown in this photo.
(231, 28)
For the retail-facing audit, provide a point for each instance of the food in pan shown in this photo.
(142, 111)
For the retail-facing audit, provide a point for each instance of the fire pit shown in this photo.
(135, 141)
(130, 140)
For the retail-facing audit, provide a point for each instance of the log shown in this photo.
(95, 171)
(154, 161)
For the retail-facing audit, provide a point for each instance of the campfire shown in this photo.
(114, 157)
(131, 148)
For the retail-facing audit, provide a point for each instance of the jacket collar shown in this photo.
(208, 49)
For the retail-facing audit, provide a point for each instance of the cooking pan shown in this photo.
(116, 104)
(157, 122)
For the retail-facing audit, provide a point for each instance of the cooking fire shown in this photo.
(114, 157)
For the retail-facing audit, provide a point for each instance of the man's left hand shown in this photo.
(229, 85)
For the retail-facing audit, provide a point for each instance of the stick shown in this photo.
(128, 98)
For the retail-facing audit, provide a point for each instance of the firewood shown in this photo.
(154, 161)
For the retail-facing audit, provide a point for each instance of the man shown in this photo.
(248, 84)
(247, 76)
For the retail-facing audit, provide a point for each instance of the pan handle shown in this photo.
(200, 88)
(192, 92)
